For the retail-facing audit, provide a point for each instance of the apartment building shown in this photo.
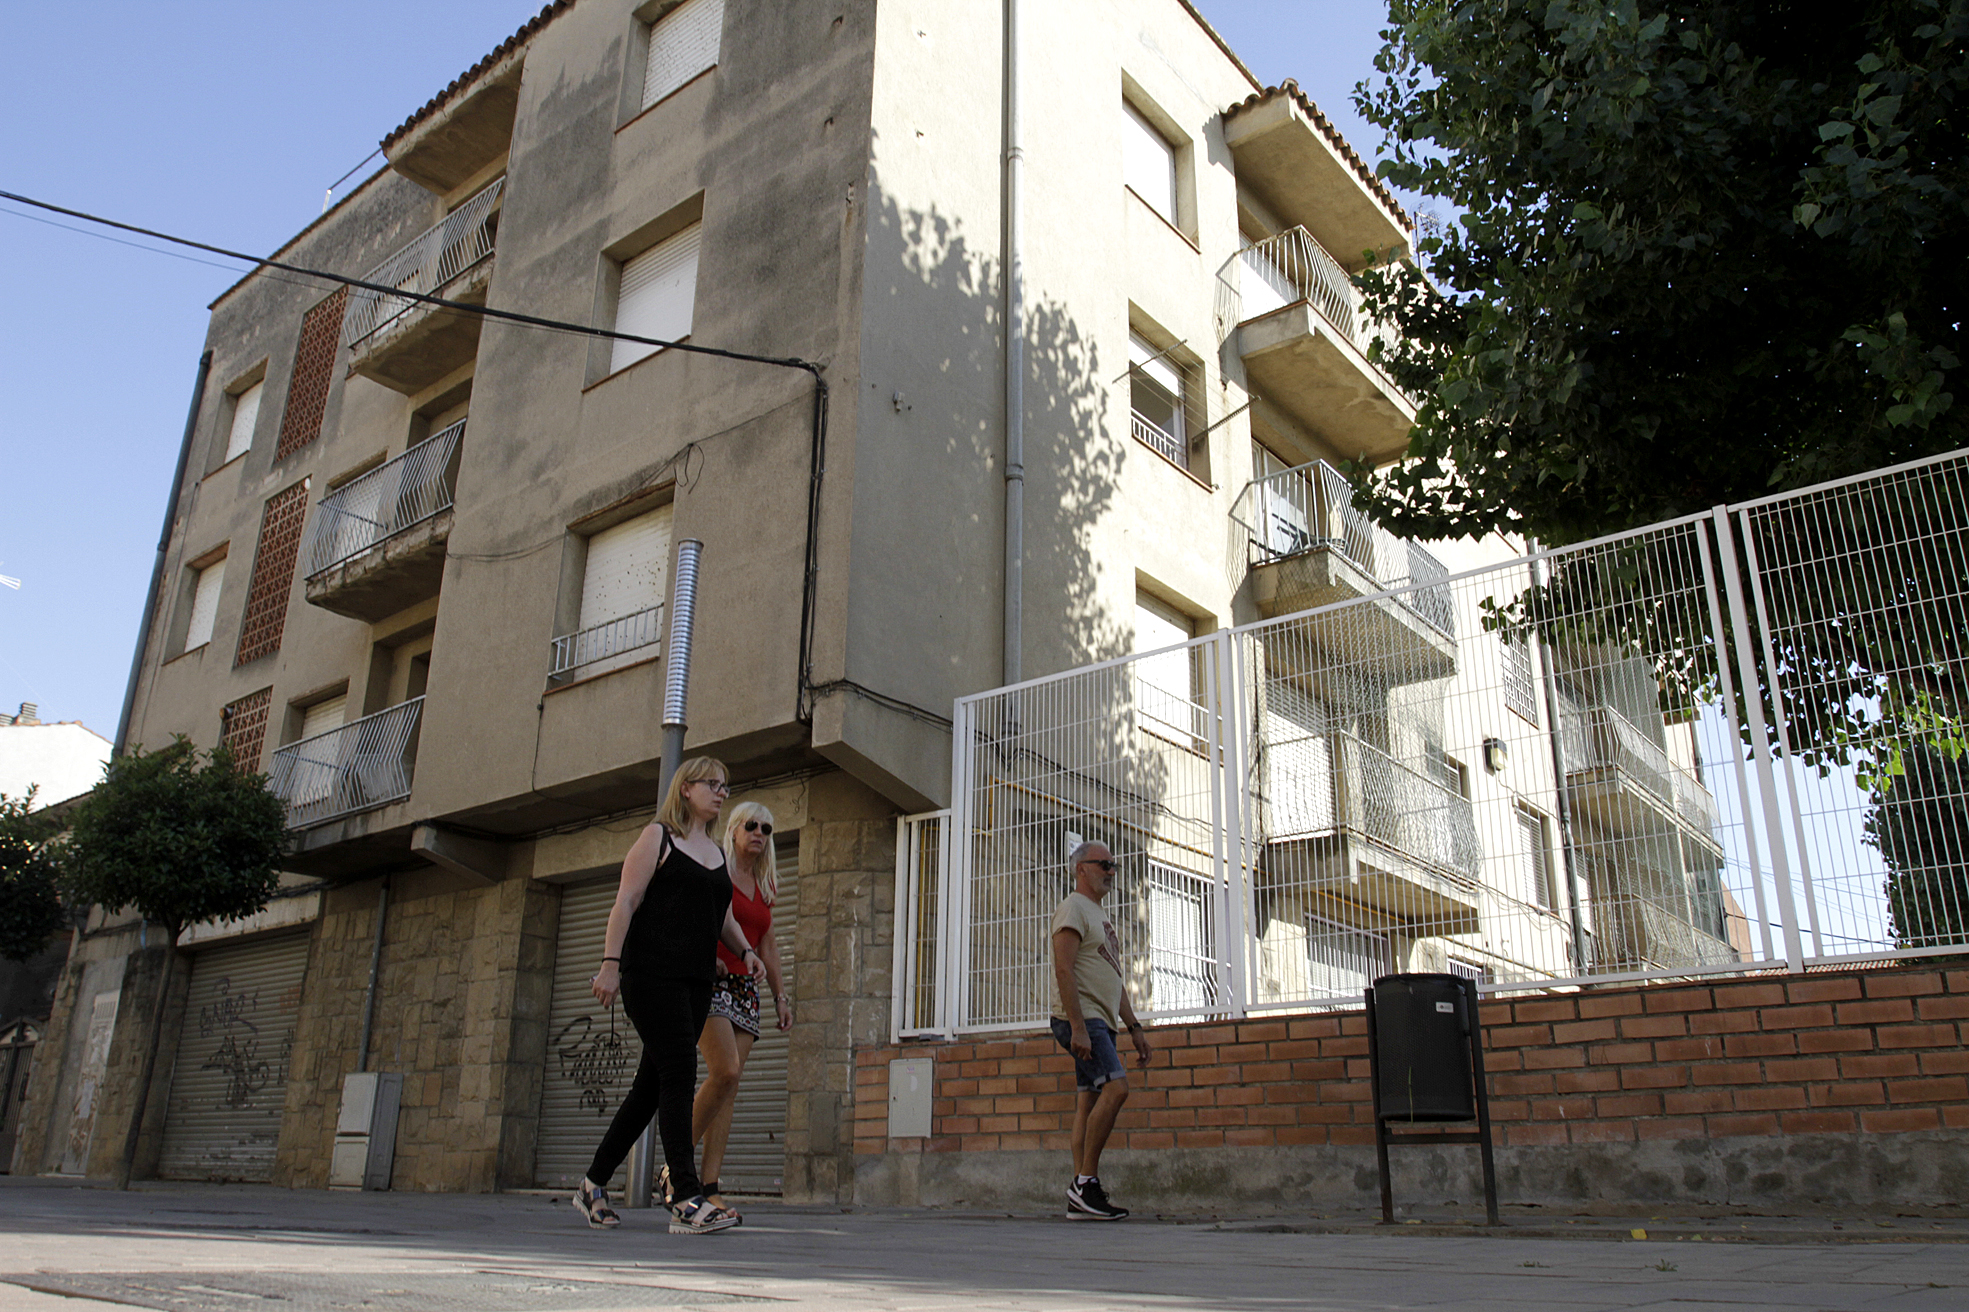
(421, 563)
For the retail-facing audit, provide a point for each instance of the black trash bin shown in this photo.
(1426, 1065)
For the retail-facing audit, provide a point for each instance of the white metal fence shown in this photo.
(431, 261)
(385, 501)
(1727, 742)
(354, 767)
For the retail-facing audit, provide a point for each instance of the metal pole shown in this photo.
(1015, 357)
(1546, 682)
(676, 697)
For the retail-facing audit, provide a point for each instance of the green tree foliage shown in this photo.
(30, 905)
(177, 836)
(1920, 823)
(1703, 249)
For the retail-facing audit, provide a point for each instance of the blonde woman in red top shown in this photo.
(733, 1025)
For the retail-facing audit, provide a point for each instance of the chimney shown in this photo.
(30, 714)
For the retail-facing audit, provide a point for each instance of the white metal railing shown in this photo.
(1311, 508)
(598, 642)
(385, 501)
(1292, 267)
(1811, 649)
(355, 767)
(1158, 438)
(431, 261)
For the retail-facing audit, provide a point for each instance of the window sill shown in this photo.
(227, 465)
(189, 651)
(605, 378)
(666, 98)
(1164, 219)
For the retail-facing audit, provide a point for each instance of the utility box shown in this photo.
(910, 1082)
(366, 1131)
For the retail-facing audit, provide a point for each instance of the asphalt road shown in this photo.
(196, 1248)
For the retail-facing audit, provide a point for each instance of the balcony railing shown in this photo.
(1292, 267)
(1311, 508)
(598, 642)
(425, 266)
(1601, 738)
(359, 766)
(1337, 782)
(387, 500)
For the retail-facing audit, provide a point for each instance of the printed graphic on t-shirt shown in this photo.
(1111, 950)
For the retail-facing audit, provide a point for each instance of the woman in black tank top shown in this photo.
(660, 955)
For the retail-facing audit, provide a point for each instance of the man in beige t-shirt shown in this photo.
(1092, 1005)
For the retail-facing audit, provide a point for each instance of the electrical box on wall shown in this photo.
(366, 1131)
(910, 1082)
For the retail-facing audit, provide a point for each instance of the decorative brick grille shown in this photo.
(314, 370)
(273, 574)
(243, 728)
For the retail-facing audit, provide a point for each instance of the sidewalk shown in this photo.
(191, 1248)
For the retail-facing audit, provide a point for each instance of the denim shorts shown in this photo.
(1091, 1073)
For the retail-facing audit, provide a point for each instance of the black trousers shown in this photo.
(668, 1015)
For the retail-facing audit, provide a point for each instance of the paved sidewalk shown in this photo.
(191, 1248)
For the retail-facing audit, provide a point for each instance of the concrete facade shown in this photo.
(844, 168)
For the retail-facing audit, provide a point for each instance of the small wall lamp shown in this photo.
(1497, 754)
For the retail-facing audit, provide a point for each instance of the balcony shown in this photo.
(603, 647)
(357, 767)
(409, 345)
(1626, 785)
(1342, 817)
(377, 543)
(1289, 156)
(1304, 341)
(1307, 547)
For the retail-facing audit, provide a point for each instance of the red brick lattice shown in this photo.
(314, 370)
(273, 574)
(1859, 1051)
(243, 728)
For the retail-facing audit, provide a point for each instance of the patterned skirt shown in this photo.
(736, 998)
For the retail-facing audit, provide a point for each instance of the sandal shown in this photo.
(700, 1216)
(591, 1200)
(663, 1190)
(718, 1200)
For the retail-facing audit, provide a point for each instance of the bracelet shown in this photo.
(616, 960)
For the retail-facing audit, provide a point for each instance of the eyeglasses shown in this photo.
(758, 827)
(715, 785)
(1108, 866)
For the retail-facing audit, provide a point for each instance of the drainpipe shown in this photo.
(1015, 357)
(163, 546)
(676, 696)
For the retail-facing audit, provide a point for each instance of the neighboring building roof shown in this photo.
(1332, 134)
(63, 760)
(465, 79)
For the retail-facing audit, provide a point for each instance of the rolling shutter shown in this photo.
(1148, 163)
(592, 1054)
(245, 414)
(626, 568)
(229, 1086)
(682, 44)
(659, 289)
(205, 604)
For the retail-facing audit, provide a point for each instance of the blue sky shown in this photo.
(225, 121)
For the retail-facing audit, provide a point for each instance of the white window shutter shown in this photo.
(1148, 163)
(628, 568)
(245, 413)
(205, 604)
(682, 44)
(323, 716)
(1163, 682)
(659, 290)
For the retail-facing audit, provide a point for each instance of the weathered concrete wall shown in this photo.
(1836, 1088)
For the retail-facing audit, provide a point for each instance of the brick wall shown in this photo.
(1857, 1053)
(273, 574)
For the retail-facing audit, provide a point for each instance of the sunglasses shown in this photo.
(1108, 866)
(758, 827)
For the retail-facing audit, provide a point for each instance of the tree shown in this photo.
(30, 903)
(180, 840)
(1920, 824)
(1704, 249)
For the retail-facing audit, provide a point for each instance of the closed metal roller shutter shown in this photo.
(592, 1054)
(755, 1158)
(229, 1083)
(592, 1051)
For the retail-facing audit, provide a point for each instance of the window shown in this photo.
(1342, 960)
(245, 414)
(204, 603)
(1148, 162)
(1262, 284)
(1165, 684)
(1300, 792)
(658, 293)
(623, 584)
(1162, 391)
(682, 43)
(316, 765)
(1182, 939)
(1520, 690)
(1534, 858)
(1283, 502)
